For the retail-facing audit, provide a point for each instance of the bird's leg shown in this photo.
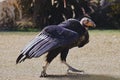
(63, 59)
(43, 73)
(71, 68)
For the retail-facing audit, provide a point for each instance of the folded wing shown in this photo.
(50, 38)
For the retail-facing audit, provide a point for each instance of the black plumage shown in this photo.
(56, 39)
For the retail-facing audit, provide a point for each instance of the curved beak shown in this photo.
(91, 24)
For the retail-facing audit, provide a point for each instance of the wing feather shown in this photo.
(38, 46)
(31, 44)
(43, 49)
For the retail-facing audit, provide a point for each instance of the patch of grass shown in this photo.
(104, 31)
(28, 30)
(18, 33)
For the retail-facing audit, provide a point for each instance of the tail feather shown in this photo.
(20, 58)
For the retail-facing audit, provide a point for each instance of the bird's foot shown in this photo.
(74, 70)
(43, 74)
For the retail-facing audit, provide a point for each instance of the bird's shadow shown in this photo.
(76, 76)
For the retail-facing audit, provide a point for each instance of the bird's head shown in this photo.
(87, 22)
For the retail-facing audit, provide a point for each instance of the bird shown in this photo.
(58, 39)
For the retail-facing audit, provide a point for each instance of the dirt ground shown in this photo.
(100, 58)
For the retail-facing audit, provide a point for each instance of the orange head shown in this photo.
(87, 22)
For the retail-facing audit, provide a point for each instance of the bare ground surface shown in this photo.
(100, 58)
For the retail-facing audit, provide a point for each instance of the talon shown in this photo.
(43, 74)
(71, 68)
(68, 71)
(74, 70)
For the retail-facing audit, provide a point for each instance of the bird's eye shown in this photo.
(87, 21)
